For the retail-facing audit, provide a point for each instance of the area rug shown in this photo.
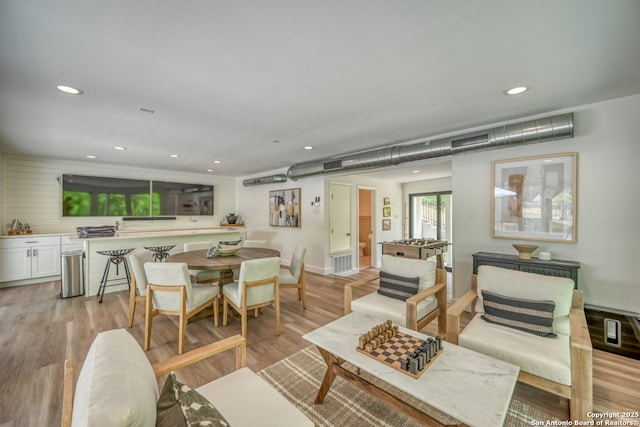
(298, 378)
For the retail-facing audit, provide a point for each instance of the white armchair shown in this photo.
(428, 303)
(117, 387)
(536, 322)
(170, 292)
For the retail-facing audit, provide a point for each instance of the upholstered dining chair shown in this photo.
(411, 293)
(255, 244)
(138, 289)
(293, 276)
(534, 321)
(201, 276)
(170, 292)
(257, 287)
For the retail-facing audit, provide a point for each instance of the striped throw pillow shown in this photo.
(398, 287)
(535, 317)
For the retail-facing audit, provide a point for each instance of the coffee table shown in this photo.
(471, 387)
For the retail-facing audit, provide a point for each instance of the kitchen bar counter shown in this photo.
(138, 239)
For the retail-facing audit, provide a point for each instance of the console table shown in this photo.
(554, 267)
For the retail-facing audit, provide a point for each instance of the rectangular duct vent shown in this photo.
(471, 140)
(342, 263)
(332, 164)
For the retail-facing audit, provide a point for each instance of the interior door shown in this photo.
(340, 217)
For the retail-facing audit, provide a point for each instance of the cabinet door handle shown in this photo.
(35, 252)
(28, 253)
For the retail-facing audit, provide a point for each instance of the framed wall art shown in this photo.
(386, 224)
(386, 211)
(284, 208)
(386, 201)
(534, 198)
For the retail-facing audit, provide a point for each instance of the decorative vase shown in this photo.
(232, 218)
(525, 251)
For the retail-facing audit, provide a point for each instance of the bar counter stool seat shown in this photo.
(116, 257)
(160, 252)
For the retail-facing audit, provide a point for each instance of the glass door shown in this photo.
(430, 218)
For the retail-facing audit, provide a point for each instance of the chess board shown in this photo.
(396, 348)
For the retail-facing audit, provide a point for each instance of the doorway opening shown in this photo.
(430, 218)
(365, 228)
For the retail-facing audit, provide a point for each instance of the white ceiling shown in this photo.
(226, 78)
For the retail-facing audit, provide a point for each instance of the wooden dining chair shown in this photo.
(255, 244)
(170, 292)
(201, 276)
(257, 287)
(292, 277)
(138, 288)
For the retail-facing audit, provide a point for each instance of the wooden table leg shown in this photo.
(334, 369)
(329, 376)
(226, 276)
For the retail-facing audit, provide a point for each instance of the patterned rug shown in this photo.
(298, 378)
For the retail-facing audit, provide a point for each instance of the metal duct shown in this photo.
(528, 132)
(265, 180)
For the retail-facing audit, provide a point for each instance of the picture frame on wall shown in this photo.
(284, 208)
(534, 198)
(386, 201)
(386, 224)
(386, 211)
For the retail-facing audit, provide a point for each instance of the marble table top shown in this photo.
(471, 387)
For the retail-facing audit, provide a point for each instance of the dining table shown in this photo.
(197, 260)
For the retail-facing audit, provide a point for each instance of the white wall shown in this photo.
(608, 204)
(253, 207)
(314, 234)
(2, 194)
(382, 189)
(33, 194)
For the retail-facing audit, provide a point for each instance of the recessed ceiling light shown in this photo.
(308, 147)
(175, 156)
(119, 148)
(516, 90)
(70, 90)
(415, 171)
(209, 170)
(217, 162)
(90, 156)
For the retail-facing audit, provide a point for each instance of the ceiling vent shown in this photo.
(528, 132)
(265, 180)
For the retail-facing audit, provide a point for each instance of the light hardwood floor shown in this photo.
(39, 331)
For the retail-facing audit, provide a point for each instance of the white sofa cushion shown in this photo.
(518, 284)
(544, 357)
(116, 386)
(245, 399)
(408, 267)
(384, 308)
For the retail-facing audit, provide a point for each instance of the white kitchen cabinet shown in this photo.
(29, 257)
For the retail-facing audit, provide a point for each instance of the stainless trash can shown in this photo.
(72, 272)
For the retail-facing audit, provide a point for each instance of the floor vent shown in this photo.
(342, 263)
